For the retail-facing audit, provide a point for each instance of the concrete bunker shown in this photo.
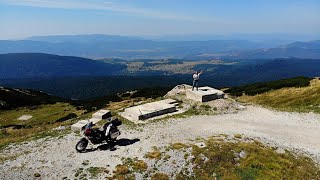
(204, 94)
(96, 117)
(150, 110)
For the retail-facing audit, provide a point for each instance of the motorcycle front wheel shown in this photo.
(82, 145)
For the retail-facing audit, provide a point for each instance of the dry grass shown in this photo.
(118, 105)
(160, 176)
(95, 171)
(42, 114)
(304, 99)
(222, 160)
(261, 162)
(140, 165)
(122, 169)
(129, 168)
(238, 136)
(156, 154)
(178, 145)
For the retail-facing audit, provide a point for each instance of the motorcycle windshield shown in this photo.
(88, 126)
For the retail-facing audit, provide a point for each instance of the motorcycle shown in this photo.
(108, 133)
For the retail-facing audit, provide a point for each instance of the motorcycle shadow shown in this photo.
(113, 146)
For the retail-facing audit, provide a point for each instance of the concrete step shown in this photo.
(175, 104)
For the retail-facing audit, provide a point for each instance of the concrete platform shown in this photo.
(150, 110)
(101, 114)
(96, 117)
(80, 124)
(204, 94)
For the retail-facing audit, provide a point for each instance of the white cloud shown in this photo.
(105, 6)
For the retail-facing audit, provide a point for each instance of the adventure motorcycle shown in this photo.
(108, 133)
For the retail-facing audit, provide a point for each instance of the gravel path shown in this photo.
(56, 158)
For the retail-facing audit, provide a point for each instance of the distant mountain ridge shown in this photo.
(309, 49)
(90, 38)
(102, 46)
(306, 45)
(28, 65)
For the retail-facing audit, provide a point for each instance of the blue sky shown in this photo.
(23, 18)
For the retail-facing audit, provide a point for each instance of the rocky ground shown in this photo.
(56, 158)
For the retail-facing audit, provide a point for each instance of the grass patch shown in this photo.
(95, 171)
(194, 110)
(128, 168)
(140, 165)
(45, 118)
(304, 99)
(122, 169)
(135, 164)
(178, 146)
(5, 158)
(238, 136)
(223, 162)
(205, 107)
(42, 114)
(85, 163)
(160, 176)
(156, 154)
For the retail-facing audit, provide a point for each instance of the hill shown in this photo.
(300, 98)
(28, 65)
(11, 98)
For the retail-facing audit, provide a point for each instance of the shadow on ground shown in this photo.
(113, 146)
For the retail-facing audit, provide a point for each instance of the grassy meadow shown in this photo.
(45, 118)
(299, 99)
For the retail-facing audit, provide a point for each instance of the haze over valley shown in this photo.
(225, 63)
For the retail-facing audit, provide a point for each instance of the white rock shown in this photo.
(280, 151)
(243, 154)
(25, 117)
(201, 145)
(60, 128)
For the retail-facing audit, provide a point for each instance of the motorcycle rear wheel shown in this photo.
(82, 145)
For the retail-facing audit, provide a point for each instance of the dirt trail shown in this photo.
(56, 158)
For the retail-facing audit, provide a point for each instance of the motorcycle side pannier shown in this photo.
(116, 122)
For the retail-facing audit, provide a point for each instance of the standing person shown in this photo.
(196, 77)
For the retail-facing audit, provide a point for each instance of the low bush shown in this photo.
(258, 88)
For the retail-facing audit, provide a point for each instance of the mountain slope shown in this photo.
(24, 65)
(301, 99)
(11, 98)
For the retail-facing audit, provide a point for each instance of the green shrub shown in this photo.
(258, 88)
(67, 117)
(152, 92)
